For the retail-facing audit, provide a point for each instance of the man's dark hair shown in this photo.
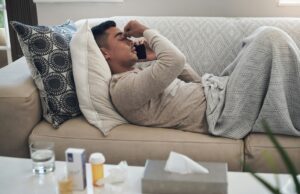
(99, 32)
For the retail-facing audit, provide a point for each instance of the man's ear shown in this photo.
(105, 53)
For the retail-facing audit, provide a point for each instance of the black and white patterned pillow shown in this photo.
(47, 51)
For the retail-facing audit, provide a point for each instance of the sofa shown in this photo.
(209, 43)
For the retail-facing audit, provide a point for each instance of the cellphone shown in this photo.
(141, 51)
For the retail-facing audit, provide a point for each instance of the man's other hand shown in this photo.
(134, 28)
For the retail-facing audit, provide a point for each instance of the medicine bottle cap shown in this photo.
(97, 158)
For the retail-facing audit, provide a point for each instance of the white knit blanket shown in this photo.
(263, 82)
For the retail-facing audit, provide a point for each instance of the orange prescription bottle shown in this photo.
(97, 164)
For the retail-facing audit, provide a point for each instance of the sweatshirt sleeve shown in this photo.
(188, 74)
(136, 89)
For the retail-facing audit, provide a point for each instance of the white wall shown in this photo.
(54, 13)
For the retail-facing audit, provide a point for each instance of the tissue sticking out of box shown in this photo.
(179, 163)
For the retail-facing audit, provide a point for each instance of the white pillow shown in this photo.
(92, 76)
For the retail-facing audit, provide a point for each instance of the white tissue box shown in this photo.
(156, 180)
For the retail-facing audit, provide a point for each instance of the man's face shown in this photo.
(121, 50)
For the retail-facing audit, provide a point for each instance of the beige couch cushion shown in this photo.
(258, 147)
(20, 108)
(136, 144)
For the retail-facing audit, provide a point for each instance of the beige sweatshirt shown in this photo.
(168, 93)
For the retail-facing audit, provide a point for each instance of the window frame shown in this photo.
(78, 1)
(289, 2)
(7, 47)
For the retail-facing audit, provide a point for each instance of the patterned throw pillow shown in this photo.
(47, 52)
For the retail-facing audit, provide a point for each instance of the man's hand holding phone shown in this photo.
(144, 52)
(136, 29)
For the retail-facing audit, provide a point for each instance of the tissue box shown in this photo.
(157, 180)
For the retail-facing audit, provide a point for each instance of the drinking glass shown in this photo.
(43, 157)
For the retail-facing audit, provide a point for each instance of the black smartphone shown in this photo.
(141, 51)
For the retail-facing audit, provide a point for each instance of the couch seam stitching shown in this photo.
(133, 140)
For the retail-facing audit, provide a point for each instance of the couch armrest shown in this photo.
(20, 108)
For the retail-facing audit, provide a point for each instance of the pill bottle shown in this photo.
(97, 164)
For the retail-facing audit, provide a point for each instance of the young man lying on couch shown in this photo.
(171, 94)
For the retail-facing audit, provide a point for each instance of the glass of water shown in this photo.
(43, 157)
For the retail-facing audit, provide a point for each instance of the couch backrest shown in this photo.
(209, 43)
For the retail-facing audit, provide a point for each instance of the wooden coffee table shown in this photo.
(16, 177)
